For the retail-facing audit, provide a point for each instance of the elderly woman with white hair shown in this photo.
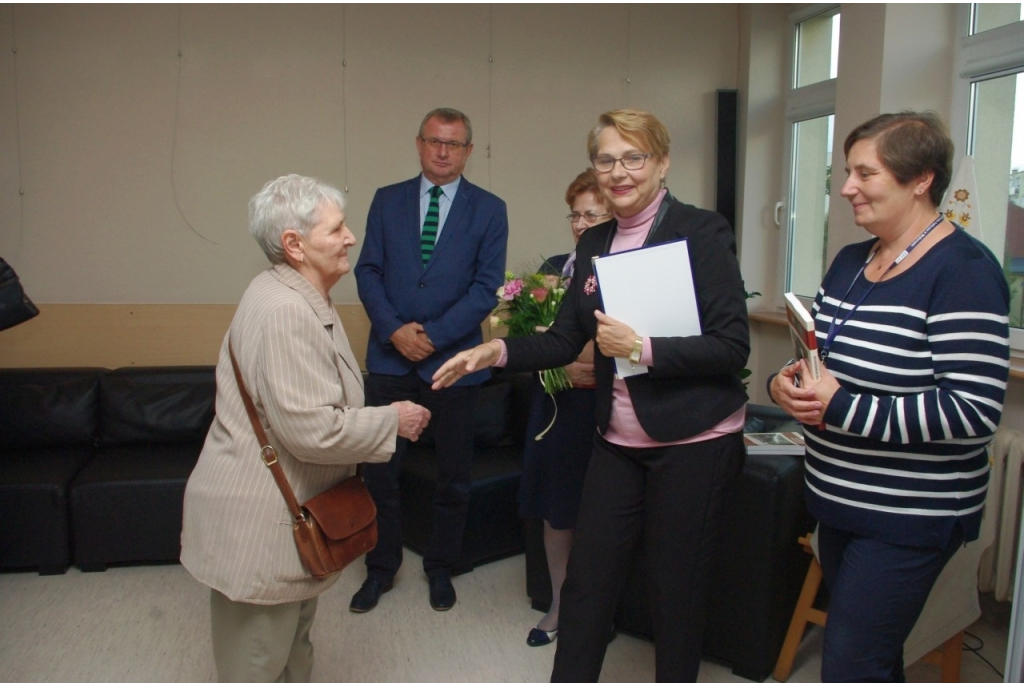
(298, 367)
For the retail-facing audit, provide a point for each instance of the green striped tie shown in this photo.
(429, 235)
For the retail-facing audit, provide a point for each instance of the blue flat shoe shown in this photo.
(539, 638)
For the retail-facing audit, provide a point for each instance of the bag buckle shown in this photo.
(268, 455)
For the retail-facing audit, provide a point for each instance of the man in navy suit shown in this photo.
(426, 298)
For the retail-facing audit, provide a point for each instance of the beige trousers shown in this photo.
(262, 643)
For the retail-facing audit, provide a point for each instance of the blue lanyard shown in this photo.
(833, 329)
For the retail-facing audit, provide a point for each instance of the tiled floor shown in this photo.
(151, 623)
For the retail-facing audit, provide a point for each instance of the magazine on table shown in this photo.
(789, 442)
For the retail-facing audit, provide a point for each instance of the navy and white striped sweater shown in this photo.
(923, 364)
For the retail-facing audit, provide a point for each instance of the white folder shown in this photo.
(651, 289)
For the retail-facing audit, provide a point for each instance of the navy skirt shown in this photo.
(555, 466)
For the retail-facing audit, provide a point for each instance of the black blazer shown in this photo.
(694, 383)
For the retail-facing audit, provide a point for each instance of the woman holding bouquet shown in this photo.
(554, 466)
(669, 442)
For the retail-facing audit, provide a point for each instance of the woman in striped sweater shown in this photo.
(913, 330)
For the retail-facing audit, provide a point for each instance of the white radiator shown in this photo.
(996, 571)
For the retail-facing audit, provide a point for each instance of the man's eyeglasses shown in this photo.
(452, 145)
(590, 217)
(634, 162)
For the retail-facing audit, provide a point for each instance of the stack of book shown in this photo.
(801, 328)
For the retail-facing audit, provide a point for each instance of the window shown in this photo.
(817, 45)
(988, 16)
(810, 106)
(811, 176)
(998, 117)
(991, 60)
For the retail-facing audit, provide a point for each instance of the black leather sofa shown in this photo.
(48, 422)
(759, 571)
(126, 503)
(94, 462)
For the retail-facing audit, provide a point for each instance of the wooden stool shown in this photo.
(947, 657)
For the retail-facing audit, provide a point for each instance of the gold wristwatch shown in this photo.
(638, 348)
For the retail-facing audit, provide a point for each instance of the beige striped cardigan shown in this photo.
(299, 369)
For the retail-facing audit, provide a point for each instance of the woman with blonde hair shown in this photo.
(669, 442)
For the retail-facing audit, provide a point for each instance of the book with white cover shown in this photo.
(801, 328)
(650, 289)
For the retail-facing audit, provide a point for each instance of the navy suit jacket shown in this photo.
(451, 296)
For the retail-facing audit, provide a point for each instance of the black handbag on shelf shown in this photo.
(15, 307)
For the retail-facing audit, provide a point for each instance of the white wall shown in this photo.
(137, 166)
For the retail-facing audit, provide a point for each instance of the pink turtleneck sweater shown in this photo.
(624, 427)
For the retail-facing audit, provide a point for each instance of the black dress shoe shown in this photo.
(368, 595)
(539, 637)
(442, 593)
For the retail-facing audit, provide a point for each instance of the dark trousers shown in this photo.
(672, 498)
(451, 423)
(876, 594)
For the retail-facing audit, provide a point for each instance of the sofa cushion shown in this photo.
(45, 466)
(125, 466)
(48, 407)
(164, 404)
(126, 504)
(34, 528)
(492, 419)
(493, 527)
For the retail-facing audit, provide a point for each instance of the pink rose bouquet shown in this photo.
(527, 305)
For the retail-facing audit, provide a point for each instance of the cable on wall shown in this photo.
(174, 138)
(344, 94)
(17, 136)
(629, 48)
(490, 85)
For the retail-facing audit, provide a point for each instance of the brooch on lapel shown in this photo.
(590, 285)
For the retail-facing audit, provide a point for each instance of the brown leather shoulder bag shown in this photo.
(332, 529)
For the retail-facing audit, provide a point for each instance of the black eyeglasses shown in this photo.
(591, 217)
(437, 144)
(633, 162)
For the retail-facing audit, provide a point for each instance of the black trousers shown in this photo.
(672, 498)
(451, 423)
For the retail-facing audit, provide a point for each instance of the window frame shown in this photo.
(808, 102)
(990, 54)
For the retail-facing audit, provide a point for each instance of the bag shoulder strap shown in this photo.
(267, 452)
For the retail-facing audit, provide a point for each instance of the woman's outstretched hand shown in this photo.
(465, 362)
